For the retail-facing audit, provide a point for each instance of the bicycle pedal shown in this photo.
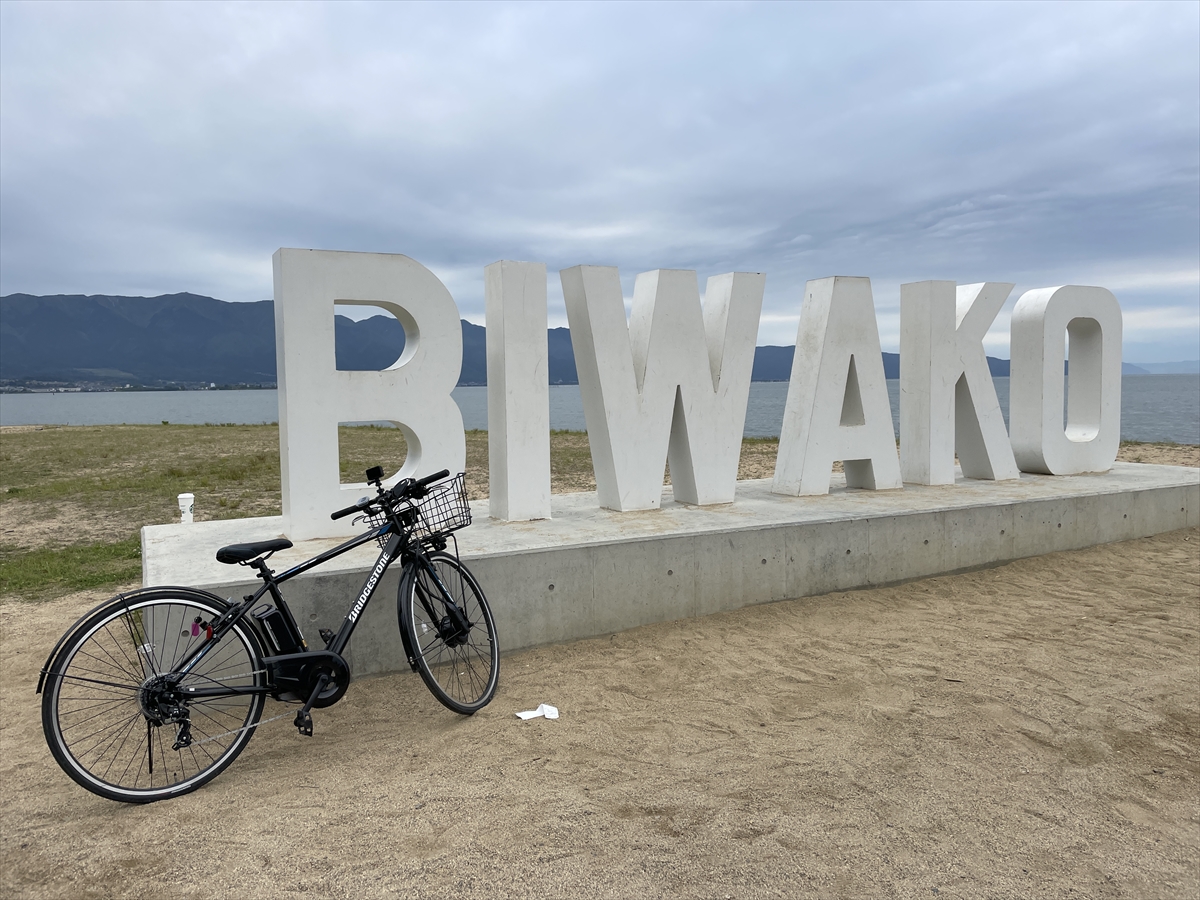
(327, 636)
(304, 723)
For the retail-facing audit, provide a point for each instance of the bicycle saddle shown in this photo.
(236, 553)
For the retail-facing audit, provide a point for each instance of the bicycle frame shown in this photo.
(398, 545)
(272, 581)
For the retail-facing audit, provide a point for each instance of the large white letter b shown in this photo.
(413, 393)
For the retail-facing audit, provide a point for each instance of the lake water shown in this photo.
(1153, 407)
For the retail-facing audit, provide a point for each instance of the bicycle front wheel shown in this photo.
(119, 719)
(449, 632)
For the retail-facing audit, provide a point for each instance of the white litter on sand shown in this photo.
(545, 709)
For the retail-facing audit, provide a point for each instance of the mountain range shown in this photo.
(187, 340)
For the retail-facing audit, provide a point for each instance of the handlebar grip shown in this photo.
(430, 479)
(351, 510)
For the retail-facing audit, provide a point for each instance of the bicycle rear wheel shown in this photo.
(121, 725)
(453, 648)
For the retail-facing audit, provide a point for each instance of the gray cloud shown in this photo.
(147, 149)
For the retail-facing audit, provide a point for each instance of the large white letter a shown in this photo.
(837, 404)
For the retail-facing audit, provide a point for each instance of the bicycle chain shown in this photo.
(244, 727)
(239, 730)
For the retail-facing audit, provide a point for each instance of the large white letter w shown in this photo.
(671, 384)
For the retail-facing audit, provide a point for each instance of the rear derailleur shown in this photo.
(162, 704)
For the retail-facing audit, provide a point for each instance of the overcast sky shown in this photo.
(155, 148)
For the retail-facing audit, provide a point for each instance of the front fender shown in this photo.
(406, 583)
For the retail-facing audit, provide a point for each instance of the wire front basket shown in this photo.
(445, 508)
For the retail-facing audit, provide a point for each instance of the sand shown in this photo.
(1027, 730)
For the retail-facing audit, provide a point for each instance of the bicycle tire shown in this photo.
(102, 711)
(460, 670)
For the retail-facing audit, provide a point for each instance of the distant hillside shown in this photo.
(186, 340)
(775, 364)
(179, 340)
(1183, 367)
(562, 357)
(139, 340)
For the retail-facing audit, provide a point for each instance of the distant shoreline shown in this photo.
(1153, 408)
(99, 388)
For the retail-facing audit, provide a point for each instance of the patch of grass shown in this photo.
(758, 457)
(99, 484)
(477, 465)
(571, 462)
(363, 446)
(53, 571)
(1160, 452)
(131, 474)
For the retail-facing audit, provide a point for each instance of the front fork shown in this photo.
(452, 626)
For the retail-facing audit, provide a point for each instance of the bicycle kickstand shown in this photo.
(303, 720)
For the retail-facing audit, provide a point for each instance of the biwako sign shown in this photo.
(671, 383)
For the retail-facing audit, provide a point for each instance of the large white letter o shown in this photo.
(1042, 321)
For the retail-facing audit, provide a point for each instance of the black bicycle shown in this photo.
(155, 692)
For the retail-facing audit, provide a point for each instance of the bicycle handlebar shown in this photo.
(406, 488)
(350, 510)
(430, 479)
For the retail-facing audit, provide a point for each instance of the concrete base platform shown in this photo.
(589, 571)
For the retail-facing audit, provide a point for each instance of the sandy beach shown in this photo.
(1026, 730)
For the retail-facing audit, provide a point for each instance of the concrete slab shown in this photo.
(590, 571)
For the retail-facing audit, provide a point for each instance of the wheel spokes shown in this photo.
(105, 692)
(460, 663)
